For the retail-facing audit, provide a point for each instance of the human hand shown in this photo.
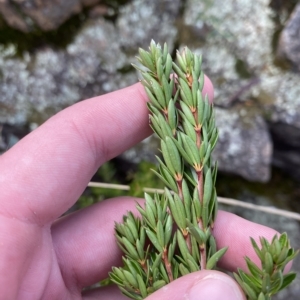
(46, 257)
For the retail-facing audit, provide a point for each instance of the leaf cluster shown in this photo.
(174, 235)
(263, 282)
(155, 247)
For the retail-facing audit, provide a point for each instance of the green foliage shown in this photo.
(262, 283)
(107, 173)
(143, 178)
(173, 237)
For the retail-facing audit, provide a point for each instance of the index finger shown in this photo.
(45, 173)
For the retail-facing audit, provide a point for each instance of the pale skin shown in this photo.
(43, 256)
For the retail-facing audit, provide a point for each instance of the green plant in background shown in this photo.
(92, 195)
(173, 236)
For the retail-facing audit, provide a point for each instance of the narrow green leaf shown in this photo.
(208, 185)
(146, 59)
(266, 284)
(249, 291)
(253, 268)
(118, 273)
(157, 89)
(130, 248)
(159, 68)
(195, 88)
(168, 91)
(130, 278)
(168, 67)
(163, 273)
(181, 222)
(183, 152)
(200, 107)
(165, 127)
(189, 129)
(261, 297)
(196, 202)
(174, 155)
(160, 234)
(186, 199)
(133, 229)
(156, 127)
(165, 52)
(282, 256)
(181, 61)
(212, 245)
(183, 270)
(283, 240)
(191, 149)
(140, 249)
(186, 112)
(268, 263)
(130, 294)
(151, 235)
(168, 229)
(201, 80)
(157, 261)
(186, 91)
(168, 157)
(196, 232)
(178, 71)
(159, 284)
(197, 66)
(152, 98)
(193, 266)
(211, 263)
(172, 247)
(207, 155)
(142, 287)
(169, 179)
(182, 245)
(256, 248)
(287, 280)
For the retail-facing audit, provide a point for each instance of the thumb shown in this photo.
(202, 285)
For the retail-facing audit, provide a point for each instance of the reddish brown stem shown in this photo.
(179, 186)
(167, 264)
(200, 185)
(202, 257)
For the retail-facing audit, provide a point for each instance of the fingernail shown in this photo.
(215, 287)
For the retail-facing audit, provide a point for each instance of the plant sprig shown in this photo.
(174, 235)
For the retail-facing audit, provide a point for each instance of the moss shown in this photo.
(242, 69)
(281, 190)
(59, 38)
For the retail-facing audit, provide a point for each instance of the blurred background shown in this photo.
(56, 53)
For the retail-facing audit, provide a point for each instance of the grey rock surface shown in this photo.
(143, 20)
(25, 15)
(289, 42)
(244, 146)
(234, 37)
(49, 80)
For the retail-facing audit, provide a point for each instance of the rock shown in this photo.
(143, 20)
(25, 15)
(235, 42)
(244, 146)
(34, 88)
(289, 42)
(279, 223)
(279, 97)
